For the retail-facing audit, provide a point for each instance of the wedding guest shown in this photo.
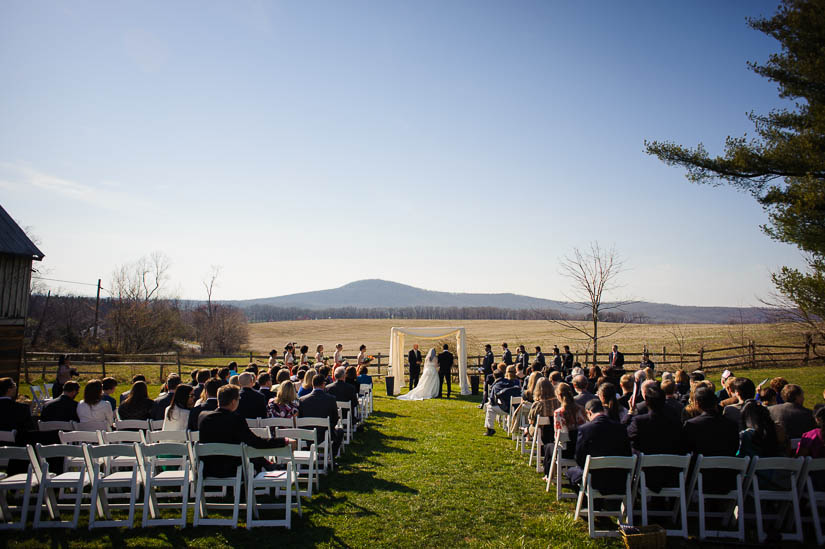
(273, 358)
(710, 434)
(213, 373)
(283, 375)
(265, 386)
(539, 360)
(319, 355)
(194, 375)
(93, 407)
(568, 416)
(607, 396)
(743, 390)
(582, 394)
(109, 387)
(757, 435)
(794, 418)
(767, 396)
(544, 404)
(176, 415)
(252, 404)
(338, 356)
(646, 362)
(506, 355)
(223, 376)
(692, 408)
(137, 405)
(321, 404)
(64, 374)
(351, 377)
(593, 376)
(363, 375)
(16, 416)
(64, 407)
(812, 443)
(285, 403)
(500, 395)
(531, 386)
(521, 374)
(209, 404)
(325, 371)
(165, 399)
(671, 397)
(600, 437)
(777, 384)
(650, 375)
(626, 383)
(567, 358)
(362, 355)
(125, 394)
(306, 385)
(202, 377)
(233, 380)
(682, 382)
(657, 432)
(344, 392)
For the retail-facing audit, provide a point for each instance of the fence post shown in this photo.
(586, 357)
(103, 363)
(378, 360)
(664, 355)
(250, 357)
(752, 349)
(701, 357)
(808, 339)
(177, 357)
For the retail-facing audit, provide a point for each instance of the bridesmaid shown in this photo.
(362, 355)
(319, 356)
(304, 358)
(289, 357)
(338, 356)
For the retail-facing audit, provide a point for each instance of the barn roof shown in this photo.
(13, 240)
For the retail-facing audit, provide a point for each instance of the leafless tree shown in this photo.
(209, 284)
(219, 327)
(594, 274)
(679, 334)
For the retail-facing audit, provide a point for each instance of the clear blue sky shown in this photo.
(457, 146)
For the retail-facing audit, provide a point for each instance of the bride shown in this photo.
(429, 383)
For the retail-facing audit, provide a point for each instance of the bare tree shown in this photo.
(679, 334)
(219, 327)
(594, 275)
(209, 283)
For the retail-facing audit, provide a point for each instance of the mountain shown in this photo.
(376, 293)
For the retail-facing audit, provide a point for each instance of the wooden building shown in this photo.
(17, 252)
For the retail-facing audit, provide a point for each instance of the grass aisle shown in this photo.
(421, 475)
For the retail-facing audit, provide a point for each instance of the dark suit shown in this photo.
(540, 360)
(619, 362)
(15, 416)
(112, 402)
(252, 404)
(224, 426)
(487, 371)
(523, 359)
(344, 392)
(319, 403)
(267, 392)
(445, 368)
(712, 435)
(568, 361)
(794, 418)
(198, 391)
(160, 405)
(62, 408)
(208, 406)
(507, 357)
(657, 433)
(123, 396)
(415, 367)
(584, 398)
(597, 438)
(624, 400)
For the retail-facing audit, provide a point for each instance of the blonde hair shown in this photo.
(511, 372)
(286, 393)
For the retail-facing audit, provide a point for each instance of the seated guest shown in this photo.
(766, 396)
(743, 390)
(265, 386)
(325, 371)
(213, 373)
(203, 377)
(593, 376)
(321, 404)
(606, 394)
(93, 407)
(109, 386)
(723, 393)
(233, 380)
(600, 437)
(164, 400)
(682, 382)
(531, 386)
(176, 415)
(351, 377)
(498, 373)
(64, 407)
(639, 405)
(223, 376)
(137, 405)
(659, 431)
(626, 383)
(285, 403)
(544, 405)
(226, 426)
(777, 384)
(363, 376)
(692, 408)
(757, 435)
(125, 394)
(343, 391)
(582, 394)
(567, 418)
(710, 434)
(306, 383)
(521, 373)
(500, 395)
(812, 444)
(672, 397)
(792, 416)
(194, 381)
(210, 403)
(282, 375)
(15, 416)
(252, 404)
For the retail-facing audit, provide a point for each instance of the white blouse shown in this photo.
(319, 357)
(102, 411)
(179, 421)
(338, 356)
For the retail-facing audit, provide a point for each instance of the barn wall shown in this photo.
(15, 281)
(11, 350)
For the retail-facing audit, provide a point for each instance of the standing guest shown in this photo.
(252, 403)
(273, 358)
(599, 437)
(344, 392)
(306, 386)
(362, 355)
(15, 416)
(487, 371)
(646, 362)
(506, 355)
(125, 394)
(568, 359)
(164, 400)
(226, 426)
(523, 358)
(671, 397)
(319, 355)
(202, 377)
(743, 390)
(682, 382)
(351, 377)
(289, 357)
(500, 395)
(615, 358)
(223, 376)
(64, 374)
(757, 435)
(338, 356)
(208, 404)
(710, 434)
(539, 361)
(414, 358)
(363, 376)
(109, 386)
(582, 394)
(265, 386)
(544, 404)
(64, 407)
(285, 402)
(321, 404)
(812, 443)
(176, 415)
(93, 407)
(137, 405)
(794, 418)
(304, 355)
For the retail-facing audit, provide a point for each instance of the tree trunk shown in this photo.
(595, 339)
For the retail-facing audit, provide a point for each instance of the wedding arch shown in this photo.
(397, 352)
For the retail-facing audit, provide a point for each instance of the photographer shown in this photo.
(64, 374)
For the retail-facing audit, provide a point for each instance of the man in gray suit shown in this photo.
(792, 416)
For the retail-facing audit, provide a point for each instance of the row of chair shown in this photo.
(40, 394)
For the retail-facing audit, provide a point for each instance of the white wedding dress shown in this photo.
(428, 383)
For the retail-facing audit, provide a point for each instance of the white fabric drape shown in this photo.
(397, 352)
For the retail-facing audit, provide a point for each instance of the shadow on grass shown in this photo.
(365, 482)
(378, 413)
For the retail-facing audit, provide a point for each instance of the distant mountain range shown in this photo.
(376, 293)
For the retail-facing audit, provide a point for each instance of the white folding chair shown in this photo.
(77, 438)
(153, 437)
(194, 436)
(262, 432)
(102, 482)
(148, 455)
(37, 399)
(201, 505)
(323, 447)
(132, 424)
(7, 437)
(735, 497)
(23, 482)
(345, 421)
(537, 443)
(786, 473)
(91, 426)
(286, 480)
(47, 390)
(155, 424)
(815, 498)
(121, 437)
(54, 426)
(252, 423)
(515, 402)
(618, 463)
(74, 480)
(678, 493)
(365, 390)
(558, 466)
(305, 457)
(273, 422)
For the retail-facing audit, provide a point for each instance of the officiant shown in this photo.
(415, 366)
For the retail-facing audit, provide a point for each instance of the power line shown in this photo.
(64, 281)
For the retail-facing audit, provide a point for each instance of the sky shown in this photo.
(464, 146)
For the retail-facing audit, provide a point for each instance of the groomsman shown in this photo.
(568, 359)
(557, 360)
(487, 371)
(540, 360)
(415, 366)
(506, 355)
(445, 368)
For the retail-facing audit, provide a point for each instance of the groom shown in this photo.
(415, 366)
(445, 367)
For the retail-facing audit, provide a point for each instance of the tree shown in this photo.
(783, 167)
(219, 328)
(594, 274)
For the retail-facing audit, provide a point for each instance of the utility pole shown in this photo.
(97, 306)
